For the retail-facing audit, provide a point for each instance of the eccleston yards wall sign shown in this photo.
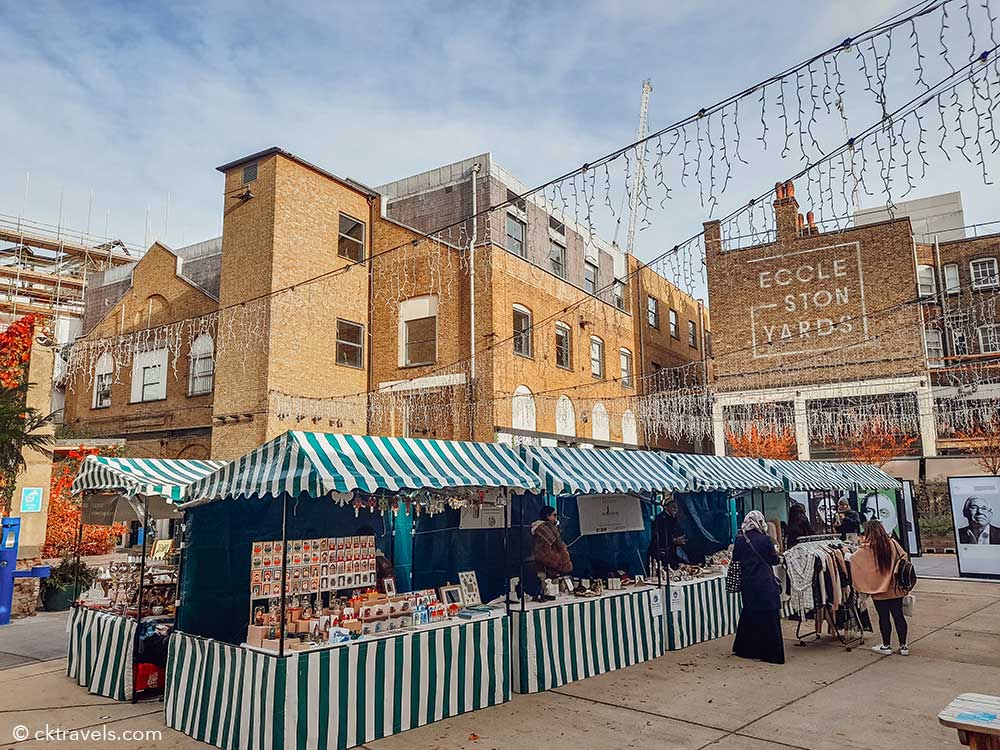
(819, 301)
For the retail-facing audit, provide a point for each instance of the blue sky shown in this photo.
(129, 103)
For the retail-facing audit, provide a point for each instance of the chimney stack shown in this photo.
(811, 220)
(787, 219)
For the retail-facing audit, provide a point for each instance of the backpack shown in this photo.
(906, 575)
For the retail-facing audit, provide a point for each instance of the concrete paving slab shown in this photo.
(150, 721)
(38, 638)
(699, 684)
(892, 703)
(979, 588)
(986, 620)
(46, 690)
(73, 717)
(967, 647)
(741, 742)
(14, 674)
(555, 722)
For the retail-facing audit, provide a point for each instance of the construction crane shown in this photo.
(640, 171)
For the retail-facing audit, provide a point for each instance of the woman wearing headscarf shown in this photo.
(758, 635)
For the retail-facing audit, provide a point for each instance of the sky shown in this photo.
(118, 113)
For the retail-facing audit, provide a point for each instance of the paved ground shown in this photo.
(936, 566)
(33, 639)
(824, 698)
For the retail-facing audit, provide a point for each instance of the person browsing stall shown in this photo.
(758, 635)
(798, 525)
(848, 519)
(873, 570)
(668, 540)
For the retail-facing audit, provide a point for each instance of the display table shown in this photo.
(341, 696)
(700, 610)
(100, 652)
(573, 638)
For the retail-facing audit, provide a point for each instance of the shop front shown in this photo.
(119, 628)
(337, 589)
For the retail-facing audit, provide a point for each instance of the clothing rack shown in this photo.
(851, 605)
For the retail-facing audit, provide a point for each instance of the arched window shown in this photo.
(522, 410)
(630, 432)
(157, 310)
(103, 373)
(565, 417)
(523, 339)
(600, 426)
(201, 374)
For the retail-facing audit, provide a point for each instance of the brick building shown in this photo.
(383, 346)
(817, 329)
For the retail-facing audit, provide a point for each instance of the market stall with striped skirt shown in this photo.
(242, 699)
(102, 632)
(100, 652)
(339, 685)
(700, 610)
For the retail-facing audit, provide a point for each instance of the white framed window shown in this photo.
(103, 375)
(249, 173)
(959, 342)
(522, 331)
(564, 347)
(201, 367)
(984, 273)
(625, 356)
(952, 281)
(675, 325)
(590, 277)
(653, 312)
(350, 344)
(989, 338)
(934, 347)
(692, 334)
(618, 293)
(557, 259)
(557, 226)
(149, 376)
(596, 357)
(926, 282)
(351, 242)
(418, 331)
(515, 236)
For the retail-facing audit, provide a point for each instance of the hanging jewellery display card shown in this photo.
(312, 565)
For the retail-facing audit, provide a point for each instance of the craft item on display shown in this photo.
(470, 587)
(389, 585)
(451, 595)
(312, 565)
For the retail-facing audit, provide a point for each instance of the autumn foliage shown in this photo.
(757, 443)
(15, 351)
(64, 514)
(877, 445)
(984, 444)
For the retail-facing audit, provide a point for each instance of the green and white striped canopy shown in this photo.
(319, 463)
(800, 476)
(168, 478)
(865, 476)
(577, 471)
(708, 473)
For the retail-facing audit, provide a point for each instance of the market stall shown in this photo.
(608, 613)
(348, 655)
(117, 632)
(700, 607)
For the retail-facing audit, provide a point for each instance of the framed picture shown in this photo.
(389, 584)
(975, 508)
(470, 587)
(451, 595)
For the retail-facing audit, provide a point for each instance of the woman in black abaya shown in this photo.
(758, 635)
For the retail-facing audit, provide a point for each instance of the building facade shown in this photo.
(326, 305)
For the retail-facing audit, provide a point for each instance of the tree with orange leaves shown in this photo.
(757, 443)
(15, 351)
(63, 524)
(878, 444)
(983, 442)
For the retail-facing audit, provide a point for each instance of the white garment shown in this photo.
(799, 562)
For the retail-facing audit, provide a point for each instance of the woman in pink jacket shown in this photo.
(873, 571)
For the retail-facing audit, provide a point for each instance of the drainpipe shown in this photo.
(370, 380)
(472, 303)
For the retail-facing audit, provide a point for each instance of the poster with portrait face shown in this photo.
(880, 505)
(975, 508)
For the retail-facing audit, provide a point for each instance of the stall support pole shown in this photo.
(76, 568)
(506, 551)
(284, 572)
(142, 581)
(180, 569)
(520, 549)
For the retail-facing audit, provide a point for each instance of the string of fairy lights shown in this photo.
(797, 115)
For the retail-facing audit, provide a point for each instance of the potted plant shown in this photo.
(57, 589)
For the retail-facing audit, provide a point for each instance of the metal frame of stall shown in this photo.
(102, 645)
(344, 695)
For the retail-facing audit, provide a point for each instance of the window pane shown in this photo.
(352, 228)
(421, 341)
(352, 333)
(515, 236)
(557, 256)
(351, 243)
(626, 364)
(249, 173)
(984, 273)
(522, 332)
(674, 325)
(350, 344)
(596, 358)
(935, 347)
(590, 278)
(562, 347)
(692, 334)
(952, 283)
